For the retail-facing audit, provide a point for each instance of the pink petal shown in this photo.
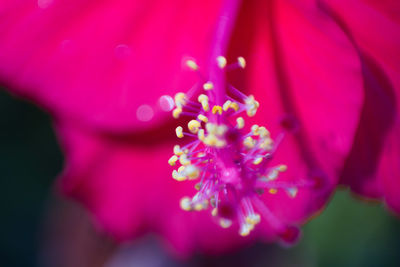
(125, 182)
(372, 169)
(301, 63)
(99, 62)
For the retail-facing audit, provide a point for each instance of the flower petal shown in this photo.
(125, 182)
(103, 63)
(372, 168)
(301, 63)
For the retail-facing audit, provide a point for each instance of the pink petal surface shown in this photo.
(294, 69)
(94, 64)
(99, 61)
(112, 174)
(127, 187)
(372, 169)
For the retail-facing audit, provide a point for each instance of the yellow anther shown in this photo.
(240, 123)
(177, 150)
(220, 143)
(263, 132)
(202, 97)
(254, 129)
(245, 229)
(211, 128)
(202, 118)
(257, 160)
(180, 99)
(253, 219)
(249, 142)
(197, 186)
(251, 106)
(273, 191)
(216, 109)
(252, 111)
(214, 212)
(172, 160)
(183, 159)
(179, 132)
(208, 86)
(221, 61)
(266, 144)
(221, 129)
(192, 172)
(234, 106)
(292, 192)
(282, 168)
(176, 112)
(242, 62)
(210, 140)
(225, 223)
(205, 105)
(201, 135)
(272, 175)
(181, 169)
(192, 64)
(178, 176)
(194, 126)
(226, 105)
(186, 204)
(200, 206)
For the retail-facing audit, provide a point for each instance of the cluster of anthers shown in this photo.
(229, 160)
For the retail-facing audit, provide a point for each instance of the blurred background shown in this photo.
(39, 228)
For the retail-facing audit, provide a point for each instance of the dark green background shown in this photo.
(348, 233)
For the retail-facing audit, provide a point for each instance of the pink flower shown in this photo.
(100, 68)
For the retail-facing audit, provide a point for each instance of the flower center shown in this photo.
(230, 160)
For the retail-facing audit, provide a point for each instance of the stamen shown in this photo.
(208, 86)
(241, 62)
(192, 64)
(231, 162)
(221, 60)
(179, 132)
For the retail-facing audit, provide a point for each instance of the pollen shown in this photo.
(226, 105)
(273, 191)
(217, 109)
(172, 160)
(183, 159)
(221, 61)
(234, 106)
(194, 126)
(241, 62)
(203, 99)
(228, 159)
(179, 132)
(177, 150)
(202, 118)
(177, 112)
(257, 160)
(186, 204)
(208, 86)
(192, 172)
(240, 122)
(180, 100)
(200, 135)
(192, 64)
(249, 142)
(225, 223)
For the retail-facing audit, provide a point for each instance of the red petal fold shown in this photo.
(372, 168)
